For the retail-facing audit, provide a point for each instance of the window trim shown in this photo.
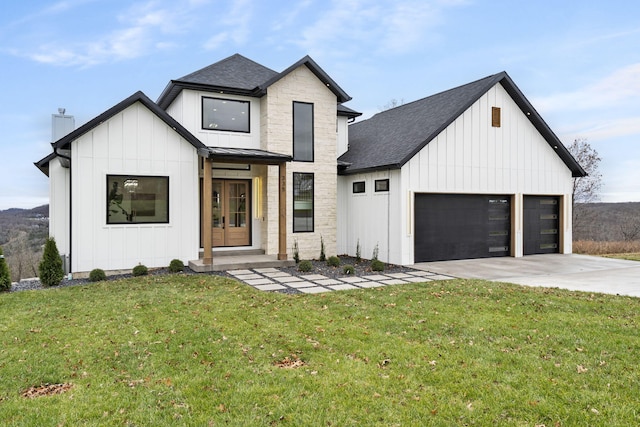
(380, 190)
(127, 177)
(357, 184)
(313, 202)
(293, 130)
(202, 109)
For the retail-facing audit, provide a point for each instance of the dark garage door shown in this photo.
(541, 225)
(454, 226)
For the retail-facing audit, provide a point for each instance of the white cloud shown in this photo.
(378, 27)
(235, 24)
(621, 87)
(142, 28)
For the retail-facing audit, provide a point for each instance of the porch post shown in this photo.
(206, 224)
(282, 211)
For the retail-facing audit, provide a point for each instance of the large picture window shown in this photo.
(302, 202)
(133, 199)
(225, 114)
(302, 132)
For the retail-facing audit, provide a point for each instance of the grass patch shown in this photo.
(591, 247)
(630, 256)
(204, 350)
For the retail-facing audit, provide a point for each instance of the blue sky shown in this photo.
(578, 62)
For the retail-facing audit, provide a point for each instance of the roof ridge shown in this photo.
(491, 77)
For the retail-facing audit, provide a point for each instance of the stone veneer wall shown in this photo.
(276, 134)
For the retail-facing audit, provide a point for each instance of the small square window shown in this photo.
(358, 187)
(382, 185)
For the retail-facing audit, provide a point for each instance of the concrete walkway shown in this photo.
(272, 279)
(572, 271)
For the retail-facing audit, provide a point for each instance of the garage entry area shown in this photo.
(461, 226)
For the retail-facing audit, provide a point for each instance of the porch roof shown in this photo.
(243, 155)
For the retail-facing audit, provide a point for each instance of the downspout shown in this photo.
(55, 150)
(388, 218)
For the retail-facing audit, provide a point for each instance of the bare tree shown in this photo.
(586, 188)
(393, 103)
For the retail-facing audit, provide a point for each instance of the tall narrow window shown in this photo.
(302, 202)
(302, 132)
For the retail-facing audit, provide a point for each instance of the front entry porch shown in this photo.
(239, 260)
(226, 213)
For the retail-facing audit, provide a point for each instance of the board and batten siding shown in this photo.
(471, 157)
(59, 205)
(133, 142)
(187, 109)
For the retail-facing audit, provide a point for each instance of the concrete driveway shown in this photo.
(571, 271)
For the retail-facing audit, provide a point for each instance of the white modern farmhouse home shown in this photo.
(236, 159)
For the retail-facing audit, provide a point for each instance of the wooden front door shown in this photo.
(231, 213)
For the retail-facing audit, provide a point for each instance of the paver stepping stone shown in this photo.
(267, 270)
(327, 282)
(239, 272)
(314, 290)
(393, 282)
(355, 279)
(342, 287)
(303, 284)
(369, 284)
(244, 277)
(417, 279)
(375, 277)
(271, 287)
(313, 277)
(398, 275)
(285, 279)
(262, 281)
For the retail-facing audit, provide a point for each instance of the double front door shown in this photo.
(231, 213)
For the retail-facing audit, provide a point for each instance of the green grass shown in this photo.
(201, 350)
(629, 256)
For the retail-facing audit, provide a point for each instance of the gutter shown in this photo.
(68, 158)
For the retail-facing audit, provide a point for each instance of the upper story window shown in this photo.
(302, 132)
(382, 185)
(358, 187)
(225, 114)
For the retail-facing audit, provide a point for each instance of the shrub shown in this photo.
(333, 261)
(97, 275)
(5, 276)
(348, 269)
(140, 270)
(50, 268)
(377, 265)
(323, 257)
(305, 266)
(176, 266)
(296, 252)
(374, 256)
(358, 254)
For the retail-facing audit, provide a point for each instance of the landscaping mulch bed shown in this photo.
(361, 268)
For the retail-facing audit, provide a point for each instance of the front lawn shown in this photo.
(204, 350)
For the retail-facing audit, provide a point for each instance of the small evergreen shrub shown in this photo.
(5, 275)
(374, 256)
(50, 269)
(140, 270)
(296, 252)
(176, 266)
(97, 275)
(358, 253)
(305, 266)
(348, 269)
(377, 265)
(323, 257)
(333, 261)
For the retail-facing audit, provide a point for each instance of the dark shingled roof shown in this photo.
(241, 76)
(391, 138)
(234, 72)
